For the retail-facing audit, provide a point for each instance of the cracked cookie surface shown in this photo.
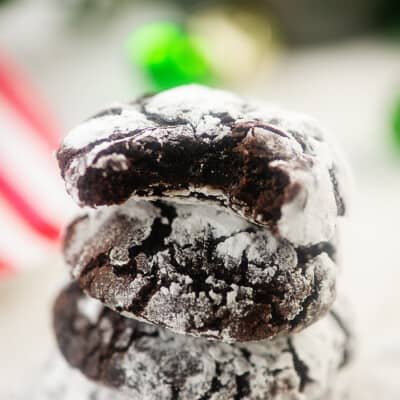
(145, 362)
(199, 270)
(272, 167)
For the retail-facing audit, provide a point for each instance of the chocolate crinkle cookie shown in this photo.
(199, 270)
(205, 261)
(141, 361)
(195, 145)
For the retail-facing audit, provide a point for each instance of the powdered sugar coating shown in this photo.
(200, 270)
(99, 128)
(100, 160)
(149, 363)
(90, 309)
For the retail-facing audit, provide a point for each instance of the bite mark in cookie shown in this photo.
(272, 167)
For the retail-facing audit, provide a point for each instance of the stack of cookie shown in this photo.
(209, 245)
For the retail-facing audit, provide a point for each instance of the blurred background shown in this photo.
(61, 60)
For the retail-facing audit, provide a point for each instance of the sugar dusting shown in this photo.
(196, 104)
(90, 308)
(102, 127)
(81, 244)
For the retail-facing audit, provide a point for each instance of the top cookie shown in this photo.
(194, 143)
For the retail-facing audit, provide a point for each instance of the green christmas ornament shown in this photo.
(169, 56)
(396, 123)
